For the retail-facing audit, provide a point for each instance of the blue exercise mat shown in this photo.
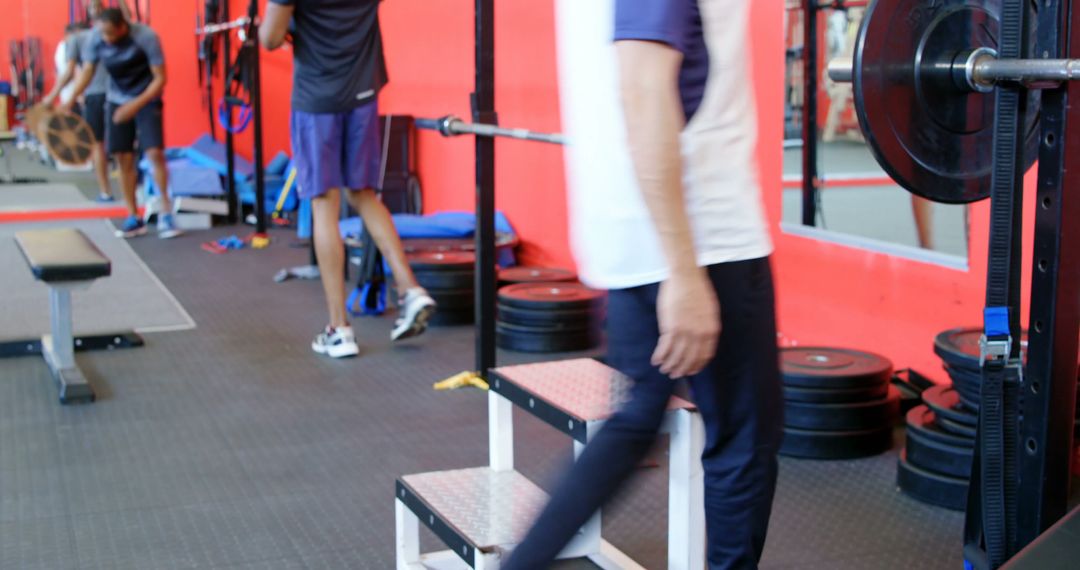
(211, 154)
(185, 178)
(439, 225)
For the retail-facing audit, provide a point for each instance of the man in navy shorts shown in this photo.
(666, 214)
(338, 72)
(131, 55)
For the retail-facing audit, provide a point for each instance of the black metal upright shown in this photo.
(1049, 390)
(230, 148)
(483, 108)
(809, 113)
(256, 110)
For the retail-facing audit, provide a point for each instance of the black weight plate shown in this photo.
(807, 444)
(843, 417)
(445, 279)
(549, 328)
(453, 298)
(836, 395)
(945, 403)
(937, 457)
(931, 488)
(557, 296)
(932, 138)
(422, 245)
(970, 403)
(959, 348)
(909, 395)
(955, 428)
(452, 317)
(442, 261)
(921, 420)
(547, 343)
(514, 275)
(529, 317)
(834, 368)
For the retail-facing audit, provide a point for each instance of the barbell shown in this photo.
(451, 126)
(924, 76)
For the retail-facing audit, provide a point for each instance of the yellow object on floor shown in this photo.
(260, 241)
(462, 380)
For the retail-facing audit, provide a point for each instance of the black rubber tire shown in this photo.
(937, 457)
(944, 401)
(844, 417)
(922, 421)
(808, 444)
(540, 318)
(453, 280)
(836, 396)
(551, 296)
(833, 368)
(931, 488)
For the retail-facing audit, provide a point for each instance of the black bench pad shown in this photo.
(63, 254)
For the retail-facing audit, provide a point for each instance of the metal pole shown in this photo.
(230, 143)
(483, 108)
(256, 109)
(810, 109)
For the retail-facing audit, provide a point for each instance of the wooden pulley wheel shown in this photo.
(67, 137)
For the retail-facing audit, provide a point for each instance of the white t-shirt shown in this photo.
(614, 239)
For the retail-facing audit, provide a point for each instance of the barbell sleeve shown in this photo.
(451, 126)
(980, 70)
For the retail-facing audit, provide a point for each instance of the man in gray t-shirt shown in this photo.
(131, 55)
(338, 72)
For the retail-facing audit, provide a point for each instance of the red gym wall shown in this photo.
(829, 294)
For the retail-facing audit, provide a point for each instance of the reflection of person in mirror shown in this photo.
(923, 210)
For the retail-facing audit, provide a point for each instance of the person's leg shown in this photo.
(740, 400)
(923, 211)
(151, 135)
(100, 160)
(380, 224)
(95, 117)
(120, 139)
(615, 452)
(125, 161)
(317, 142)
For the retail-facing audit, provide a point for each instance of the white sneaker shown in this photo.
(336, 343)
(415, 313)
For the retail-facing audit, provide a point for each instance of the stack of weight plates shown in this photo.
(936, 465)
(550, 317)
(448, 277)
(523, 274)
(838, 404)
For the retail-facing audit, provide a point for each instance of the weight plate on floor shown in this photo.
(936, 457)
(807, 444)
(453, 317)
(955, 428)
(548, 328)
(959, 348)
(558, 296)
(540, 318)
(836, 395)
(547, 343)
(434, 245)
(931, 488)
(844, 417)
(932, 137)
(922, 421)
(834, 368)
(453, 298)
(445, 279)
(442, 261)
(514, 275)
(945, 403)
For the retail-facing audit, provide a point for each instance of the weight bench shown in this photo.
(66, 260)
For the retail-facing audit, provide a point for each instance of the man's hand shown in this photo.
(66, 107)
(689, 317)
(125, 113)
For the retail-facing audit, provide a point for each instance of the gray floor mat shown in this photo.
(41, 196)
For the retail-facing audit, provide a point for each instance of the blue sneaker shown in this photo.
(104, 199)
(166, 226)
(133, 227)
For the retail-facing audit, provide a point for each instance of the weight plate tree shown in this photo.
(957, 97)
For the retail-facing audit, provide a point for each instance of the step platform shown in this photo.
(482, 513)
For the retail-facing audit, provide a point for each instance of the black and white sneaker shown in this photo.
(415, 313)
(336, 343)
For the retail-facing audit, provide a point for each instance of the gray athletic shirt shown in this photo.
(127, 62)
(76, 50)
(338, 61)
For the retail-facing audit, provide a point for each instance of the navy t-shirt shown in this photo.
(127, 61)
(676, 23)
(338, 61)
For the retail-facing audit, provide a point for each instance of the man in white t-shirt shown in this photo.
(666, 213)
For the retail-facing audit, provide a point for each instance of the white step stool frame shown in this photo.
(686, 500)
